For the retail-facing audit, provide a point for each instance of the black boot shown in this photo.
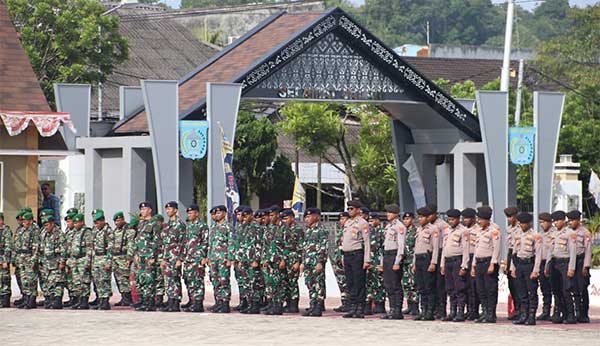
(414, 310)
(379, 308)
(429, 312)
(216, 306)
(75, 301)
(360, 311)
(139, 302)
(530, 321)
(452, 314)
(318, 310)
(159, 301)
(351, 312)
(104, 304)
(293, 307)
(254, 307)
(522, 316)
(557, 317)
(175, 307)
(142, 304)
(310, 309)
(187, 305)
(440, 313)
(422, 310)
(267, 307)
(20, 301)
(482, 317)
(243, 305)
(95, 302)
(5, 301)
(168, 306)
(123, 301)
(545, 315)
(151, 304)
(276, 309)
(31, 304)
(491, 313)
(197, 306)
(460, 313)
(69, 302)
(570, 314)
(224, 309)
(48, 300)
(342, 308)
(368, 310)
(83, 303)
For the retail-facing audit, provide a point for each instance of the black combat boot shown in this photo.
(530, 321)
(452, 314)
(577, 306)
(151, 304)
(429, 312)
(138, 303)
(585, 313)
(482, 317)
(557, 316)
(414, 310)
(460, 313)
(267, 307)
(159, 301)
(491, 313)
(96, 301)
(368, 308)
(215, 307)
(24, 301)
(254, 307)
(276, 309)
(351, 311)
(142, 306)
(104, 304)
(125, 299)
(175, 307)
(379, 308)
(48, 300)
(570, 314)
(69, 302)
(422, 310)
(187, 305)
(225, 308)
(31, 304)
(293, 308)
(75, 301)
(342, 308)
(360, 311)
(522, 316)
(5, 301)
(197, 306)
(83, 303)
(56, 303)
(310, 309)
(243, 305)
(441, 310)
(318, 310)
(20, 301)
(168, 306)
(545, 315)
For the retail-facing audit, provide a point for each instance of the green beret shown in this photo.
(28, 216)
(70, 216)
(45, 212)
(118, 215)
(98, 216)
(159, 217)
(73, 211)
(78, 217)
(134, 222)
(48, 219)
(27, 210)
(97, 210)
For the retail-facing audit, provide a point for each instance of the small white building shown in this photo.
(568, 189)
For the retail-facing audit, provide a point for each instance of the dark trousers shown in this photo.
(487, 284)
(456, 285)
(581, 294)
(511, 282)
(526, 287)
(392, 279)
(565, 284)
(424, 280)
(472, 296)
(440, 286)
(556, 284)
(355, 276)
(545, 286)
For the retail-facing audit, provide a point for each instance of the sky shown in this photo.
(526, 4)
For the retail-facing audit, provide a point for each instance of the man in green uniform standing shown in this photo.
(408, 277)
(6, 252)
(220, 257)
(146, 256)
(121, 267)
(195, 258)
(337, 262)
(102, 262)
(27, 242)
(292, 238)
(52, 254)
(172, 257)
(80, 252)
(314, 258)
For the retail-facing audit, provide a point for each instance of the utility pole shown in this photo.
(519, 91)
(504, 77)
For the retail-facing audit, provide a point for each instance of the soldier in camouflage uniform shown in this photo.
(314, 259)
(6, 250)
(68, 232)
(195, 258)
(146, 257)
(121, 260)
(220, 256)
(27, 242)
(234, 251)
(53, 257)
(43, 271)
(250, 252)
(160, 276)
(242, 261)
(103, 240)
(269, 233)
(262, 218)
(79, 254)
(172, 257)
(292, 237)
(336, 258)
(275, 259)
(408, 278)
(375, 288)
(131, 248)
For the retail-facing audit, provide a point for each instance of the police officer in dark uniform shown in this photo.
(393, 254)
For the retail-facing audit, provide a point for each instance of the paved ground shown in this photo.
(124, 326)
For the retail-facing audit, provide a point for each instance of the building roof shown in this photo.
(277, 41)
(19, 87)
(158, 49)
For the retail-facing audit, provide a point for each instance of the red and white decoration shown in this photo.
(47, 123)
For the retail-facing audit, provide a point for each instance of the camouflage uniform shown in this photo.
(292, 238)
(408, 278)
(195, 250)
(44, 270)
(172, 253)
(374, 287)
(274, 253)
(121, 259)
(161, 279)
(52, 254)
(69, 232)
(336, 257)
(103, 247)
(80, 252)
(221, 249)
(243, 261)
(146, 251)
(27, 241)
(6, 252)
(250, 251)
(269, 233)
(314, 251)
(239, 277)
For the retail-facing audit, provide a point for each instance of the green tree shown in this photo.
(68, 41)
(254, 151)
(278, 184)
(216, 3)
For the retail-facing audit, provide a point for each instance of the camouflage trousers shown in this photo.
(236, 272)
(267, 271)
(172, 280)
(69, 278)
(257, 284)
(54, 281)
(81, 276)
(193, 275)
(29, 276)
(275, 282)
(243, 280)
(42, 275)
(374, 286)
(101, 276)
(219, 274)
(315, 282)
(146, 278)
(121, 269)
(161, 281)
(340, 277)
(5, 281)
(408, 284)
(292, 291)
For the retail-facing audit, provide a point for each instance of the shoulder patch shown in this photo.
(573, 236)
(495, 232)
(401, 230)
(538, 237)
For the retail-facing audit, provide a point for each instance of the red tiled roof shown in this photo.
(233, 63)
(19, 87)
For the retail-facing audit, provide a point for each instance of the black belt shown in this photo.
(390, 252)
(580, 257)
(423, 255)
(100, 253)
(354, 252)
(482, 259)
(528, 260)
(561, 260)
(28, 252)
(454, 258)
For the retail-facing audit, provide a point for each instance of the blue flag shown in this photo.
(521, 144)
(193, 138)
(232, 194)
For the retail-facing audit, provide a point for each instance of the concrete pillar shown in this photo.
(428, 169)
(401, 136)
(465, 180)
(134, 183)
(444, 185)
(186, 183)
(93, 189)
